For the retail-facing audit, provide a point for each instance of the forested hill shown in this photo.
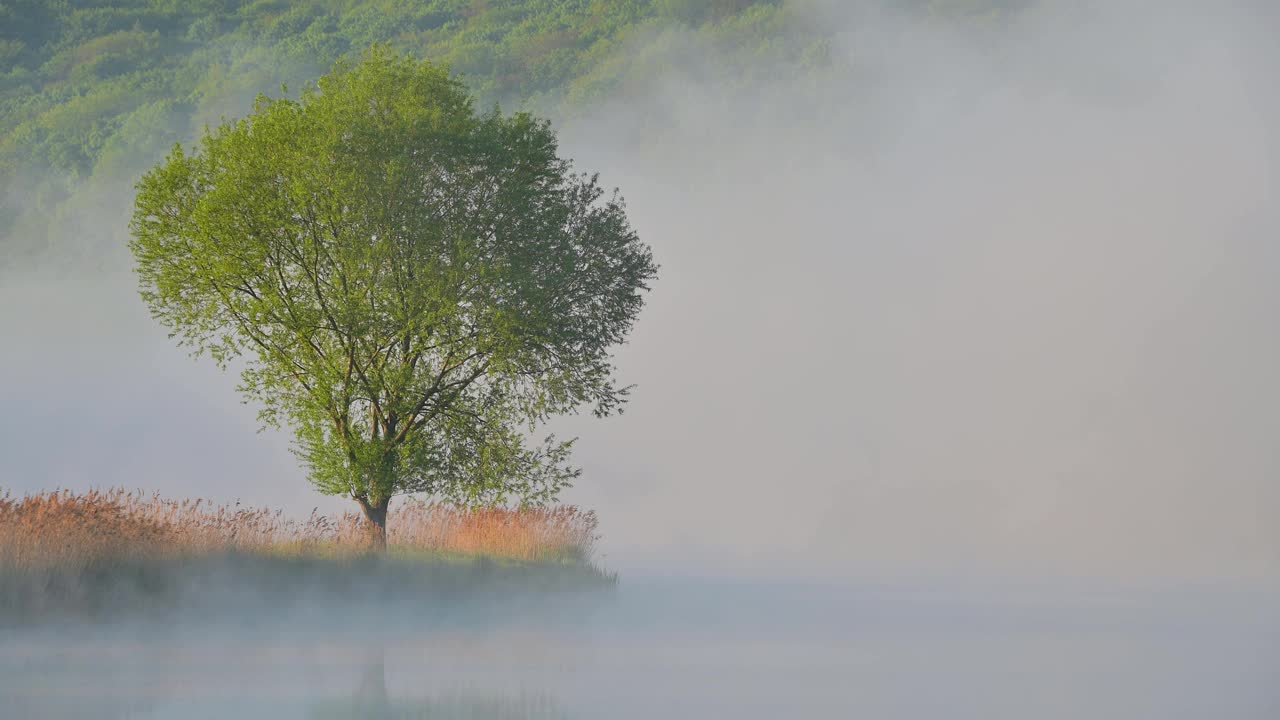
(85, 80)
(94, 91)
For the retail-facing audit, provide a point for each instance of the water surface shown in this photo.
(673, 649)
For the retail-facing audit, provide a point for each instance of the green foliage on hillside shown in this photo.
(94, 91)
(88, 81)
(100, 89)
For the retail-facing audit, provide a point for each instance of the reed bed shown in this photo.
(61, 529)
(114, 552)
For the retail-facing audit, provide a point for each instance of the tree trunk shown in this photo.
(375, 515)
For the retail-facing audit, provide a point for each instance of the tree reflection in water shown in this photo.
(371, 701)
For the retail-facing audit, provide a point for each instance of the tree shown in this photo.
(409, 285)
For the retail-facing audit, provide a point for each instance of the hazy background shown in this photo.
(984, 301)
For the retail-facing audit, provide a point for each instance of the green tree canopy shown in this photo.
(410, 285)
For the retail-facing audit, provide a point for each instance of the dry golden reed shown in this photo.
(62, 529)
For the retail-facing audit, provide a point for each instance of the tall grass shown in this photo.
(61, 527)
(78, 551)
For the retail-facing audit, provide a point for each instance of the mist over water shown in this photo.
(957, 397)
(670, 649)
(993, 300)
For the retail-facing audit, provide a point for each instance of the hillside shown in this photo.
(94, 91)
(86, 82)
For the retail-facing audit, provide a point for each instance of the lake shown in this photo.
(670, 649)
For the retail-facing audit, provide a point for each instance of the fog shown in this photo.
(986, 298)
(995, 301)
(678, 649)
(970, 341)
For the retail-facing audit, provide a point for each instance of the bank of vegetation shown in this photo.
(106, 553)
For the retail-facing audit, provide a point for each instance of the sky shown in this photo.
(989, 303)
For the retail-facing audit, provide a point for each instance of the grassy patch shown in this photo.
(105, 554)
